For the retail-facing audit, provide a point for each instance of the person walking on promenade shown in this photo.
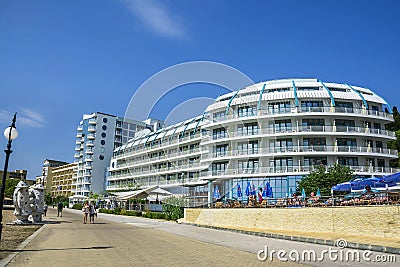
(45, 209)
(92, 212)
(59, 209)
(85, 210)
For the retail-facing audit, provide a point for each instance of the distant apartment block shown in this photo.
(98, 134)
(63, 177)
(47, 177)
(17, 174)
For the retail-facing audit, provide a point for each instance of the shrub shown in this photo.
(105, 211)
(173, 208)
(154, 215)
(117, 211)
(134, 213)
(123, 212)
(77, 206)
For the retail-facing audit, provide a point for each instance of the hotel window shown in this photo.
(314, 161)
(307, 88)
(348, 161)
(282, 164)
(248, 129)
(346, 123)
(248, 148)
(343, 106)
(247, 111)
(381, 163)
(218, 116)
(312, 105)
(219, 168)
(375, 109)
(279, 107)
(314, 144)
(219, 133)
(221, 150)
(281, 145)
(282, 125)
(346, 142)
(250, 166)
(379, 145)
(377, 126)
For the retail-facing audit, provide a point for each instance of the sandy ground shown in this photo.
(13, 235)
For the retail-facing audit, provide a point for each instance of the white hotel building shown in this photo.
(98, 134)
(275, 131)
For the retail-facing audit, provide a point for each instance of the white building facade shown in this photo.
(97, 136)
(275, 131)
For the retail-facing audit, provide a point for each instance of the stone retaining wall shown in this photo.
(372, 221)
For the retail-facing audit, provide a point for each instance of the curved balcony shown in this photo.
(289, 170)
(302, 130)
(164, 145)
(301, 111)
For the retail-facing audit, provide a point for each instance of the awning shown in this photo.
(143, 193)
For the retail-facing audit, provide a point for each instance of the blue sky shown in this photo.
(60, 59)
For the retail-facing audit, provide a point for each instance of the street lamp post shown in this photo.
(10, 134)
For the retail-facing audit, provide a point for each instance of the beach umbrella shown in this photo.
(395, 177)
(270, 193)
(318, 193)
(216, 195)
(247, 192)
(346, 186)
(253, 191)
(264, 193)
(303, 193)
(239, 191)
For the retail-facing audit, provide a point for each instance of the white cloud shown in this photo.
(156, 17)
(25, 117)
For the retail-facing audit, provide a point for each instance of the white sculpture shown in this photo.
(36, 194)
(22, 203)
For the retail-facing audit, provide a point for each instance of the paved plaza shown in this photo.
(131, 241)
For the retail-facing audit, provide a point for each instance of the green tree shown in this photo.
(324, 180)
(10, 187)
(48, 199)
(173, 207)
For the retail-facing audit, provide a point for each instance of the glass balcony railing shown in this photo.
(294, 110)
(290, 169)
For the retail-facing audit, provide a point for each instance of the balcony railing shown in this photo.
(164, 144)
(290, 169)
(160, 181)
(305, 129)
(294, 110)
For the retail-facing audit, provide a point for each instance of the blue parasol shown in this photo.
(247, 192)
(303, 193)
(253, 191)
(264, 193)
(239, 191)
(216, 195)
(270, 193)
(318, 193)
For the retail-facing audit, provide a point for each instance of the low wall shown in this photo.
(371, 221)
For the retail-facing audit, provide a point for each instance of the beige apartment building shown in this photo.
(63, 180)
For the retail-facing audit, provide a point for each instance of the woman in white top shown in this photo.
(85, 210)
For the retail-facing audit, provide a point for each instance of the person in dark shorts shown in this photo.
(59, 209)
(92, 212)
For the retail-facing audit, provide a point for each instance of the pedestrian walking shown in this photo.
(45, 209)
(92, 212)
(59, 209)
(85, 210)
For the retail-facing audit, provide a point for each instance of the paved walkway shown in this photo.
(132, 241)
(68, 242)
